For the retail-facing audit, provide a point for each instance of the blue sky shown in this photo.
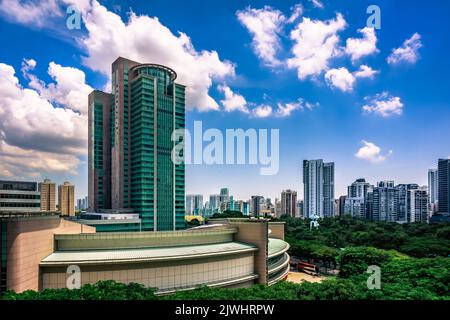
(400, 133)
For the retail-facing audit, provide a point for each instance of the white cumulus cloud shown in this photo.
(315, 43)
(371, 152)
(357, 48)
(340, 78)
(408, 52)
(365, 71)
(69, 89)
(34, 12)
(265, 26)
(262, 111)
(146, 39)
(232, 101)
(384, 104)
(36, 136)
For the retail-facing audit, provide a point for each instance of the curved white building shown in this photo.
(232, 253)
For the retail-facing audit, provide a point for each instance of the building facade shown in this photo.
(418, 207)
(194, 204)
(257, 205)
(433, 190)
(444, 186)
(137, 121)
(47, 190)
(382, 202)
(403, 202)
(318, 182)
(25, 239)
(19, 196)
(355, 203)
(99, 145)
(289, 203)
(230, 253)
(214, 203)
(66, 199)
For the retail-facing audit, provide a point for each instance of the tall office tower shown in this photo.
(82, 204)
(418, 205)
(402, 201)
(433, 190)
(47, 189)
(194, 204)
(289, 203)
(238, 205)
(300, 213)
(214, 203)
(341, 205)
(318, 180)
(224, 195)
(99, 150)
(382, 202)
(132, 151)
(256, 205)
(85, 202)
(277, 208)
(246, 208)
(444, 186)
(328, 189)
(66, 199)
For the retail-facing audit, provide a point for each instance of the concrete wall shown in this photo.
(29, 240)
(277, 230)
(254, 232)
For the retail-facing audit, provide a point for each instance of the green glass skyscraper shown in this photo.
(130, 145)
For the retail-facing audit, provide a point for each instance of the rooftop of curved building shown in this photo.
(173, 74)
(277, 247)
(146, 254)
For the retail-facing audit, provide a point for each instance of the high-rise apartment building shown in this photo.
(356, 200)
(256, 205)
(403, 201)
(214, 203)
(130, 145)
(299, 212)
(194, 204)
(444, 186)
(47, 190)
(328, 189)
(418, 205)
(356, 207)
(82, 204)
(318, 180)
(99, 146)
(224, 195)
(66, 199)
(359, 188)
(289, 203)
(433, 190)
(382, 202)
(341, 205)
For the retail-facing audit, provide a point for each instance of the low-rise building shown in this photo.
(25, 239)
(19, 196)
(38, 251)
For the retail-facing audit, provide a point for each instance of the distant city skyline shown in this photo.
(366, 105)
